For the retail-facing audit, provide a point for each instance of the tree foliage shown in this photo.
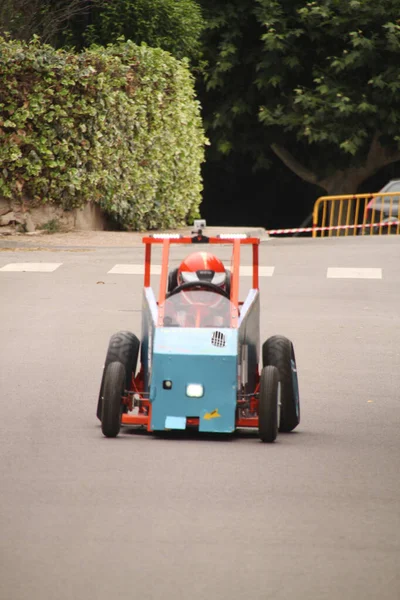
(22, 19)
(231, 46)
(119, 126)
(322, 77)
(173, 25)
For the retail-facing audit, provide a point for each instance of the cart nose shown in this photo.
(193, 377)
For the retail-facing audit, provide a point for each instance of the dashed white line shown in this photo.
(131, 269)
(31, 267)
(353, 273)
(245, 271)
(262, 271)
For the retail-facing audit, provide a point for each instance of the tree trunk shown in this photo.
(342, 183)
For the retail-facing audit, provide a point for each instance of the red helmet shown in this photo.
(202, 266)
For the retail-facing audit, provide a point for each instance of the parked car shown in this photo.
(385, 209)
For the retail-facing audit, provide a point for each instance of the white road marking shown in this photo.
(156, 270)
(245, 271)
(353, 273)
(133, 270)
(262, 271)
(31, 267)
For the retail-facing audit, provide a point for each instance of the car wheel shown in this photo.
(279, 352)
(268, 405)
(114, 387)
(123, 348)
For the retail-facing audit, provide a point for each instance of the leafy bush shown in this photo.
(119, 126)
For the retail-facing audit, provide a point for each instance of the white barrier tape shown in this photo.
(331, 227)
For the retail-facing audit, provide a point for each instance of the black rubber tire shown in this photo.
(268, 404)
(124, 348)
(112, 407)
(279, 352)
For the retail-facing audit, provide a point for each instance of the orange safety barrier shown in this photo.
(357, 214)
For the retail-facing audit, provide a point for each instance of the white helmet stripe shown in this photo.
(189, 276)
(219, 278)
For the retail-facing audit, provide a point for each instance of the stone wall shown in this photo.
(23, 217)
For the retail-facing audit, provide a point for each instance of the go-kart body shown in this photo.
(220, 352)
(199, 357)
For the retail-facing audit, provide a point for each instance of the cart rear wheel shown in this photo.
(268, 404)
(114, 387)
(123, 348)
(279, 352)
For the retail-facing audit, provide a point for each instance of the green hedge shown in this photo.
(118, 125)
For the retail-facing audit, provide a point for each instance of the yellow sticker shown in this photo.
(212, 415)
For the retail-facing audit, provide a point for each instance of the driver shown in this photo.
(198, 267)
(202, 266)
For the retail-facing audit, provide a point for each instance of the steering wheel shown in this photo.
(192, 285)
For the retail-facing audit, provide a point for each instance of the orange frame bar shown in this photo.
(135, 419)
(255, 266)
(147, 265)
(145, 421)
(166, 243)
(163, 281)
(247, 422)
(211, 240)
(235, 283)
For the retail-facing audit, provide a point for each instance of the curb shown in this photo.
(116, 239)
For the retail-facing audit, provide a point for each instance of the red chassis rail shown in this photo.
(144, 416)
(144, 420)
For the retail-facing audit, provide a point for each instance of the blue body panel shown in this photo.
(185, 356)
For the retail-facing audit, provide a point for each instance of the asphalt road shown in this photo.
(314, 516)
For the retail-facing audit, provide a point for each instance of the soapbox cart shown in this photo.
(199, 372)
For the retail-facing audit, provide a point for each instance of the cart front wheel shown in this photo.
(123, 348)
(112, 406)
(269, 404)
(279, 352)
